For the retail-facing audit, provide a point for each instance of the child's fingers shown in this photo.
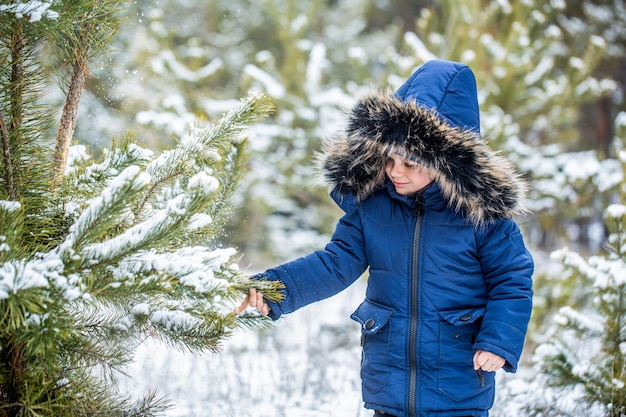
(487, 361)
(255, 300)
(260, 301)
(265, 310)
(252, 298)
(242, 306)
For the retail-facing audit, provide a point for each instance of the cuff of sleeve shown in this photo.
(275, 311)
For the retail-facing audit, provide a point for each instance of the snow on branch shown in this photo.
(33, 10)
(150, 232)
(106, 206)
(568, 316)
(19, 275)
(205, 146)
(603, 272)
(195, 267)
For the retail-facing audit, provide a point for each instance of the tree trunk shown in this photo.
(68, 118)
(6, 159)
(11, 165)
(10, 389)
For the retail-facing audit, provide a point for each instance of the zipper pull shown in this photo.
(481, 377)
(418, 210)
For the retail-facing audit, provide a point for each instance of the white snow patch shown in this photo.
(19, 275)
(33, 10)
(273, 87)
(10, 206)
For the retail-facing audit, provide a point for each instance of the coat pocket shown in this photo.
(457, 378)
(375, 321)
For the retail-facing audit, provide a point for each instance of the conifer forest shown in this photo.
(157, 154)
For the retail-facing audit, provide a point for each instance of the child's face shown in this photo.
(407, 176)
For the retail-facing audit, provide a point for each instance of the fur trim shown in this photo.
(473, 178)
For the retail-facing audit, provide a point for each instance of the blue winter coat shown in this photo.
(449, 273)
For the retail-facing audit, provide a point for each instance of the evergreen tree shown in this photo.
(580, 364)
(98, 253)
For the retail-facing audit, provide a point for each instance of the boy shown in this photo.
(428, 209)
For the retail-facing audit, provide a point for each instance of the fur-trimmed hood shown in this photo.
(434, 119)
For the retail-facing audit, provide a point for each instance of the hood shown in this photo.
(433, 118)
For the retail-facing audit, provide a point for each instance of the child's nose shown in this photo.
(396, 170)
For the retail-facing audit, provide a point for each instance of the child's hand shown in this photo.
(487, 361)
(255, 300)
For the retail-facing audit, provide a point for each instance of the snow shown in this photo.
(616, 210)
(193, 266)
(171, 122)
(505, 5)
(299, 23)
(620, 119)
(204, 182)
(317, 62)
(604, 273)
(610, 272)
(567, 315)
(10, 206)
(176, 206)
(173, 320)
(165, 62)
(418, 47)
(270, 85)
(577, 63)
(33, 10)
(307, 364)
(199, 220)
(76, 154)
(596, 87)
(141, 309)
(19, 275)
(176, 102)
(129, 179)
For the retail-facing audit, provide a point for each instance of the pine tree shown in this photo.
(580, 367)
(100, 252)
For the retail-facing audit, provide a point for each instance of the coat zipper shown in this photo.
(414, 317)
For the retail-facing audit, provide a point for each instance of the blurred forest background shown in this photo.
(551, 78)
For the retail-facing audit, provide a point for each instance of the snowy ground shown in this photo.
(307, 365)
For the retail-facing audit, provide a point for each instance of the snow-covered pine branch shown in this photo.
(104, 211)
(205, 145)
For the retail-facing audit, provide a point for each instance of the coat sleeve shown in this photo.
(507, 267)
(323, 273)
